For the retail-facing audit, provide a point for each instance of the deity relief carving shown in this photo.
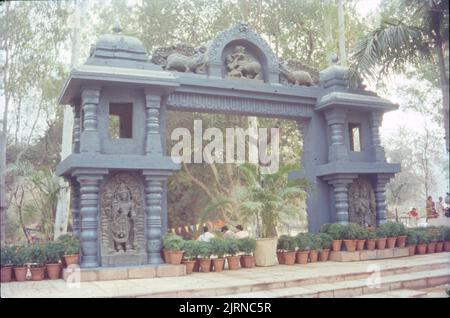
(361, 201)
(122, 215)
(240, 64)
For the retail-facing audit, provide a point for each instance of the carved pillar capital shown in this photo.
(152, 122)
(340, 184)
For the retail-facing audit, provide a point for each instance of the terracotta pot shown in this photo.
(336, 245)
(289, 258)
(233, 262)
(381, 243)
(421, 249)
(431, 247)
(6, 272)
(53, 270)
(196, 265)
(324, 255)
(175, 257)
(71, 259)
(166, 256)
(205, 265)
(350, 245)
(280, 257)
(302, 257)
(218, 264)
(20, 273)
(313, 255)
(189, 266)
(412, 250)
(439, 247)
(37, 273)
(247, 261)
(401, 241)
(391, 242)
(360, 245)
(371, 244)
(447, 246)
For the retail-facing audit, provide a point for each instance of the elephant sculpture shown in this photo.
(296, 77)
(182, 63)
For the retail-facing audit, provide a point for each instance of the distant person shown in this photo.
(413, 213)
(431, 209)
(227, 233)
(440, 208)
(206, 236)
(241, 233)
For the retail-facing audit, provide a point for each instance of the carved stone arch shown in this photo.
(242, 34)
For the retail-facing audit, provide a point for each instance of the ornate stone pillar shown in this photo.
(89, 181)
(76, 128)
(337, 151)
(375, 123)
(152, 125)
(90, 139)
(340, 184)
(153, 214)
(75, 205)
(380, 197)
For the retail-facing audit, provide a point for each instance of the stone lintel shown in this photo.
(340, 178)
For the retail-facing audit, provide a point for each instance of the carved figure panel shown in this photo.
(122, 215)
(240, 64)
(361, 201)
(181, 57)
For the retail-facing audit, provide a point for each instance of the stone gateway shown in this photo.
(118, 169)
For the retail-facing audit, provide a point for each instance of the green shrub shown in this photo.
(218, 247)
(21, 255)
(53, 252)
(204, 249)
(191, 249)
(302, 241)
(370, 234)
(335, 230)
(6, 253)
(411, 237)
(314, 242)
(422, 236)
(71, 244)
(447, 234)
(434, 233)
(247, 245)
(232, 247)
(173, 242)
(325, 240)
(38, 254)
(351, 231)
(393, 229)
(381, 232)
(286, 243)
(442, 230)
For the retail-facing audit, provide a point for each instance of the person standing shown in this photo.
(227, 233)
(430, 207)
(241, 233)
(440, 208)
(206, 236)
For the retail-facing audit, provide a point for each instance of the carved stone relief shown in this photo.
(240, 64)
(361, 200)
(181, 57)
(122, 215)
(296, 73)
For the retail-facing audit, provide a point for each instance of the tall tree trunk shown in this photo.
(444, 88)
(341, 19)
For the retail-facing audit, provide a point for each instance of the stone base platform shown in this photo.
(121, 273)
(366, 255)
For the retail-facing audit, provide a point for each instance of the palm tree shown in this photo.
(264, 198)
(395, 43)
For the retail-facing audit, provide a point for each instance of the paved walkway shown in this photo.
(174, 286)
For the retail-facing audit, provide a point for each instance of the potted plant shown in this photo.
(350, 235)
(72, 247)
(447, 239)
(165, 251)
(433, 237)
(247, 246)
(411, 241)
(232, 251)
(53, 253)
(302, 242)
(325, 245)
(204, 253)
(20, 257)
(361, 239)
(390, 229)
(286, 244)
(335, 230)
(422, 241)
(218, 248)
(401, 235)
(190, 253)
(381, 237)
(314, 246)
(370, 239)
(440, 242)
(6, 264)
(173, 244)
(37, 265)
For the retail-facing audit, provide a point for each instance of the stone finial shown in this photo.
(117, 27)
